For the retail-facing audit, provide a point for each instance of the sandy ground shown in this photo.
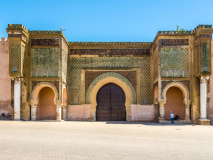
(104, 141)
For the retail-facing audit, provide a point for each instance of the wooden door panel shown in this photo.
(111, 103)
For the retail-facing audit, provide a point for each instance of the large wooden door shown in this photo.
(111, 103)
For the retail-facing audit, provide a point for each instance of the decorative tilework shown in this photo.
(76, 64)
(64, 65)
(110, 74)
(197, 62)
(204, 36)
(45, 42)
(55, 83)
(110, 52)
(186, 83)
(155, 56)
(91, 75)
(174, 42)
(205, 57)
(22, 58)
(15, 57)
(45, 62)
(15, 35)
(174, 62)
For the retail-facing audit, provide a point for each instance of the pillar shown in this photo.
(64, 113)
(33, 112)
(203, 100)
(162, 110)
(17, 99)
(187, 112)
(58, 112)
(156, 112)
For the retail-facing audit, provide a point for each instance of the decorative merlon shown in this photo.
(16, 26)
(34, 32)
(204, 26)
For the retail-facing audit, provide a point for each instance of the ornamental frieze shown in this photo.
(45, 42)
(204, 36)
(174, 42)
(110, 51)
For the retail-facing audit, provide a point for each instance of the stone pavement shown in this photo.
(104, 141)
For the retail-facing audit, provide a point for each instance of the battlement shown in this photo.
(175, 32)
(204, 26)
(35, 32)
(16, 26)
(110, 43)
(191, 32)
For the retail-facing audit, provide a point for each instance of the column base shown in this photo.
(161, 120)
(204, 121)
(17, 119)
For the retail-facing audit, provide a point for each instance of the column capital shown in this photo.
(64, 107)
(17, 79)
(33, 106)
(58, 103)
(204, 79)
(161, 103)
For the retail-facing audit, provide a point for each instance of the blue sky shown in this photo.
(106, 20)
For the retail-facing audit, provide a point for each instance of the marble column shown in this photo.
(64, 112)
(33, 112)
(203, 97)
(162, 110)
(203, 100)
(58, 112)
(17, 99)
(187, 112)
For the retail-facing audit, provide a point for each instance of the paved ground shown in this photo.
(104, 141)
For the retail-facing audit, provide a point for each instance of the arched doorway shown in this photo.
(111, 103)
(46, 109)
(174, 103)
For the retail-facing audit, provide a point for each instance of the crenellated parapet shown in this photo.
(175, 32)
(49, 32)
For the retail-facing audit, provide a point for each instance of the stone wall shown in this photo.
(5, 80)
(211, 88)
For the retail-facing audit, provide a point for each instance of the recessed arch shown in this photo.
(179, 85)
(46, 109)
(37, 89)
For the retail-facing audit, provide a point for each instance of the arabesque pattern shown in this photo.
(15, 57)
(64, 65)
(76, 64)
(110, 74)
(205, 57)
(45, 62)
(22, 57)
(174, 62)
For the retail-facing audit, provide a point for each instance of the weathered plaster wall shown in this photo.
(78, 112)
(211, 88)
(5, 80)
(142, 112)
